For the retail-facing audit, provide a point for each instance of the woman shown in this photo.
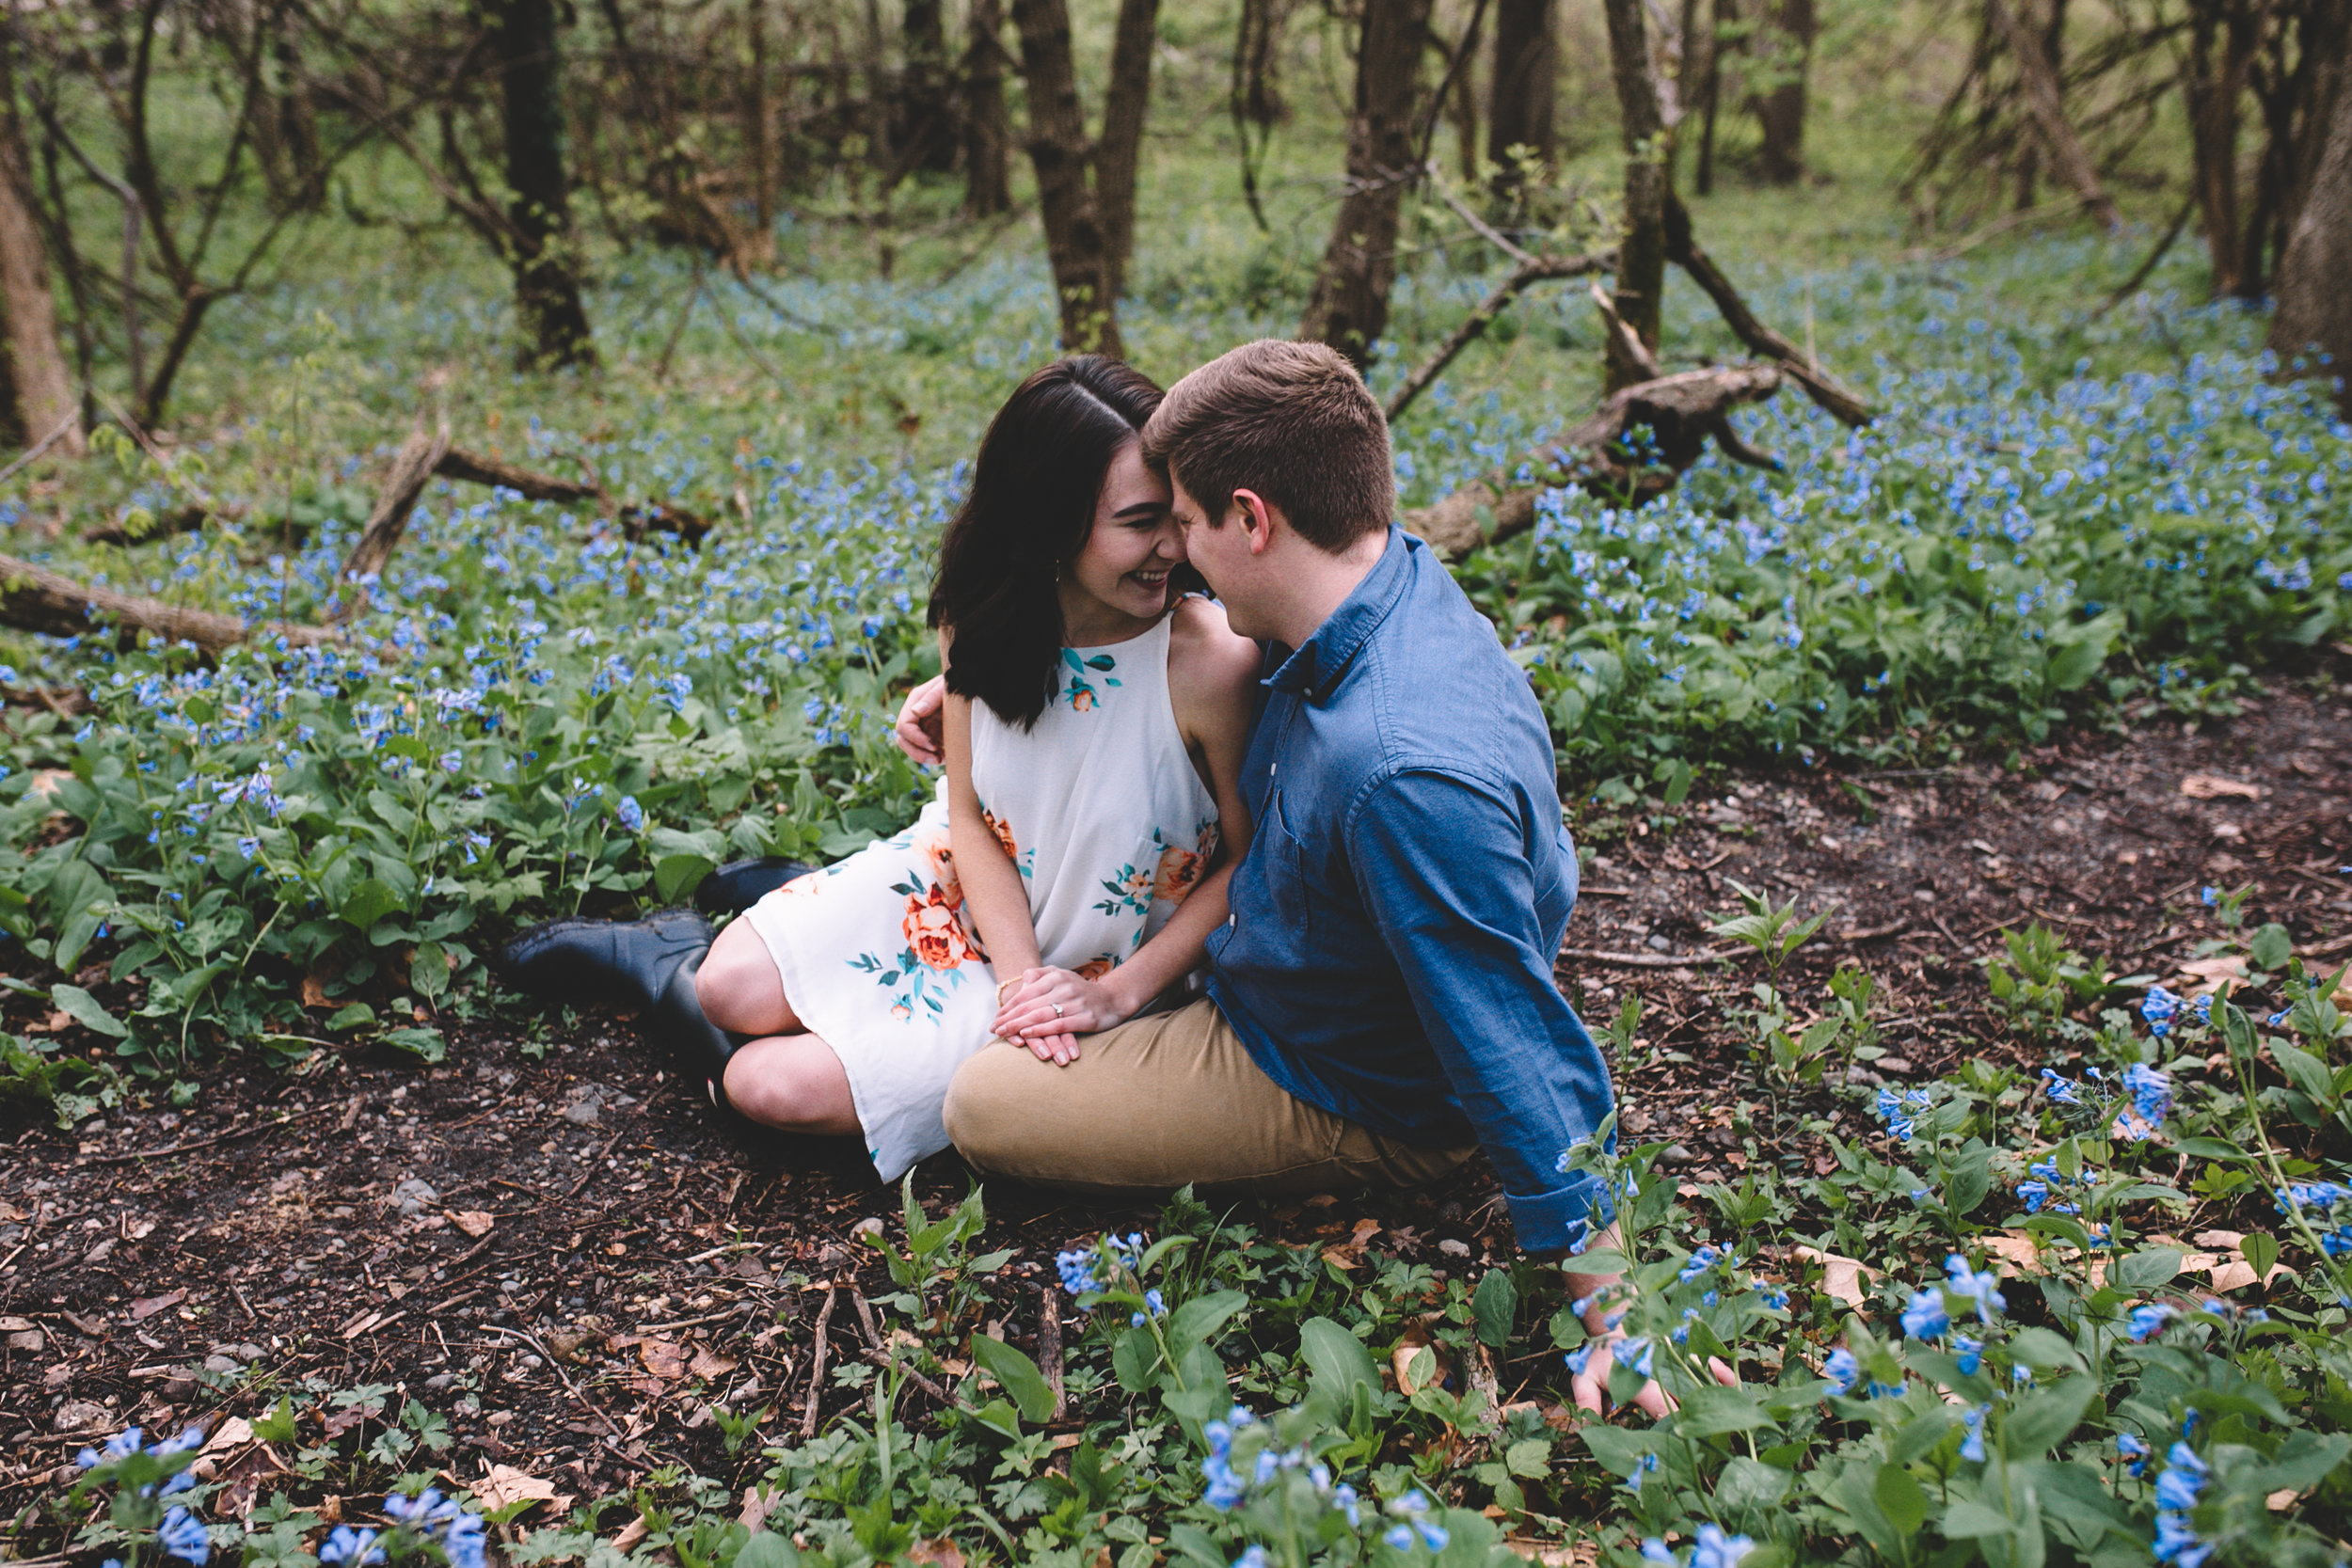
(1075, 860)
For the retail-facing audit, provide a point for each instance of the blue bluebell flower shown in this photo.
(2152, 1091)
(1644, 1467)
(1924, 1317)
(2148, 1318)
(2133, 1449)
(2159, 1006)
(1972, 1446)
(1717, 1550)
(1842, 1370)
(1981, 1287)
(1970, 1354)
(182, 1535)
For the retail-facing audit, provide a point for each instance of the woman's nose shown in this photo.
(1171, 547)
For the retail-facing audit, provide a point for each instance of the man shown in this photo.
(1380, 1001)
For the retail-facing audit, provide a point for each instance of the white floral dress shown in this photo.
(1100, 808)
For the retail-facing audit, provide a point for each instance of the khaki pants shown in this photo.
(1159, 1101)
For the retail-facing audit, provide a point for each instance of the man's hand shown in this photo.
(918, 730)
(1590, 1385)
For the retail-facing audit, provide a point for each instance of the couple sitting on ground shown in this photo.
(1168, 922)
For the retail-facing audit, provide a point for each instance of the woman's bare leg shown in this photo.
(739, 987)
(794, 1083)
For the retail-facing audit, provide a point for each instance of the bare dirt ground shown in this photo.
(552, 1243)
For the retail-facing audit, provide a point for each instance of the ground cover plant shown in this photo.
(2071, 1290)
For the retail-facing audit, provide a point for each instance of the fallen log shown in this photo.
(1682, 248)
(412, 466)
(34, 598)
(1681, 412)
(636, 518)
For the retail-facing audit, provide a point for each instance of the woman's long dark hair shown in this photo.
(1034, 489)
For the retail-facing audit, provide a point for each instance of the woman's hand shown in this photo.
(918, 730)
(1046, 1010)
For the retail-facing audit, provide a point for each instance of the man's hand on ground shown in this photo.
(917, 728)
(1590, 1385)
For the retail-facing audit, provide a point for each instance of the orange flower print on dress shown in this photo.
(939, 857)
(933, 933)
(1004, 834)
(1095, 968)
(1178, 874)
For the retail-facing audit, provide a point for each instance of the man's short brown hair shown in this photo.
(1292, 423)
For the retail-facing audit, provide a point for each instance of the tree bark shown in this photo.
(1520, 105)
(1075, 244)
(758, 117)
(2314, 308)
(1648, 166)
(2221, 49)
(2068, 159)
(1349, 307)
(927, 132)
(1780, 109)
(987, 132)
(1115, 157)
(39, 390)
(547, 302)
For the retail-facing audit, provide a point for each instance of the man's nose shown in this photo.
(1171, 543)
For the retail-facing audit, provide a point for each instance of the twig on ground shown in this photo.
(817, 1365)
(170, 1149)
(1049, 1343)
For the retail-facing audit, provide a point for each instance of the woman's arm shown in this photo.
(1213, 681)
(992, 883)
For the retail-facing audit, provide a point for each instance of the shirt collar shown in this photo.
(1314, 670)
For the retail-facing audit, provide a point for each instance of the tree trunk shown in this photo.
(39, 391)
(1526, 80)
(926, 133)
(1115, 157)
(1648, 168)
(1074, 242)
(760, 117)
(2314, 303)
(2069, 162)
(547, 304)
(1780, 109)
(987, 133)
(2221, 48)
(1349, 307)
(1720, 14)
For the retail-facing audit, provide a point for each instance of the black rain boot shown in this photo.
(677, 1024)
(628, 961)
(738, 884)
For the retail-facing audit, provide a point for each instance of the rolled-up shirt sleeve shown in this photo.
(1443, 865)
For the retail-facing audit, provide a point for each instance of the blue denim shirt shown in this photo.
(1393, 926)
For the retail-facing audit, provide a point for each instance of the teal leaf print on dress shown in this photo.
(1081, 695)
(1130, 891)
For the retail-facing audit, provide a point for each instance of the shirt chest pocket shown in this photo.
(1287, 881)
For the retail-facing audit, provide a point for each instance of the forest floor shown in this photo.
(551, 1241)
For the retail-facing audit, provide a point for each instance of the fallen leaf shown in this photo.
(2206, 975)
(234, 1433)
(2281, 1501)
(1414, 1342)
(758, 1503)
(473, 1222)
(2226, 1240)
(506, 1484)
(313, 990)
(1842, 1278)
(26, 1340)
(939, 1552)
(663, 1358)
(147, 1306)
(709, 1365)
(636, 1530)
(2016, 1250)
(15, 1326)
(2213, 786)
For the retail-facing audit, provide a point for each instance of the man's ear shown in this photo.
(1257, 519)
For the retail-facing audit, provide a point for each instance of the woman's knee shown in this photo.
(787, 1088)
(739, 987)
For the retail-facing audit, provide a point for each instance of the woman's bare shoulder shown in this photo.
(1205, 651)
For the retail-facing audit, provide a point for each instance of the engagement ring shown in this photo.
(1057, 1010)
